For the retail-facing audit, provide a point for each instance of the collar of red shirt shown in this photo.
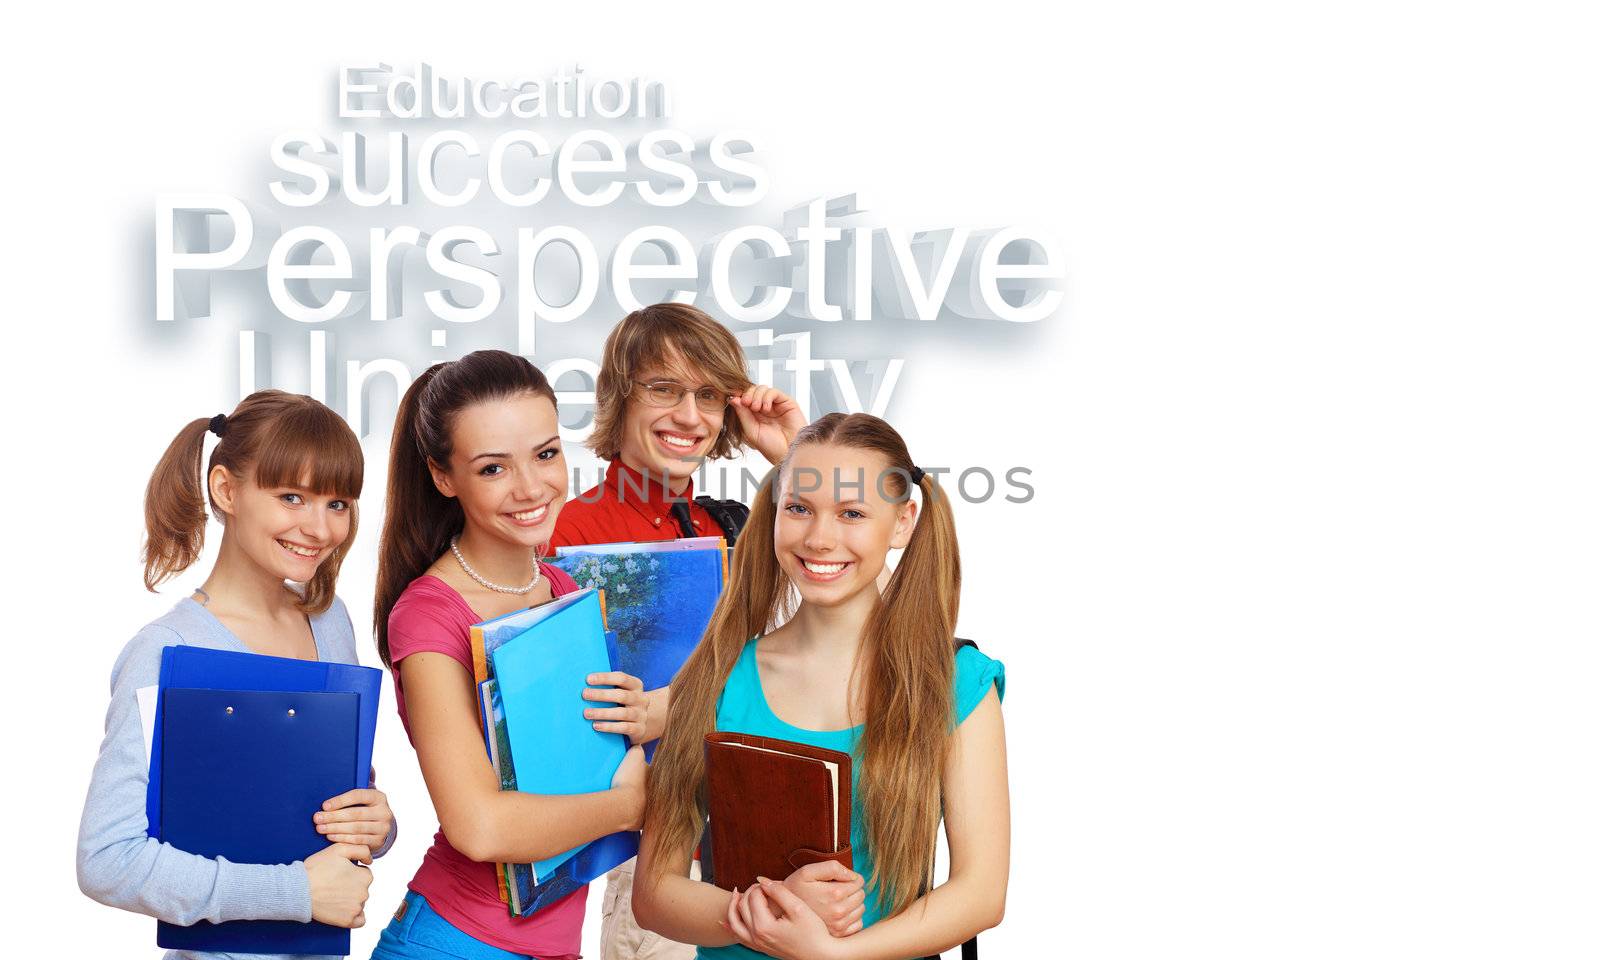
(626, 484)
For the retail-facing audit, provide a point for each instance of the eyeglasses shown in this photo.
(669, 393)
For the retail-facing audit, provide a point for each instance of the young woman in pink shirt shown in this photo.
(476, 479)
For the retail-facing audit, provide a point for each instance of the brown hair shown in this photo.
(906, 659)
(279, 440)
(419, 520)
(656, 335)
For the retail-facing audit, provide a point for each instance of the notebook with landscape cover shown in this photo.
(775, 806)
(658, 597)
(242, 773)
(654, 546)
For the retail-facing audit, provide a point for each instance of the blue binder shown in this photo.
(242, 772)
(203, 667)
(600, 855)
(541, 674)
(594, 860)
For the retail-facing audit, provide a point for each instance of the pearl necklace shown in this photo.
(484, 582)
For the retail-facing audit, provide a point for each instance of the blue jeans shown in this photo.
(420, 934)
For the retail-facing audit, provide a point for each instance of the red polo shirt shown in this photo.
(627, 507)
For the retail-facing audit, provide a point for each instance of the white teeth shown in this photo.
(297, 550)
(823, 568)
(530, 514)
(677, 441)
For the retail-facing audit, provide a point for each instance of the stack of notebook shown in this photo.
(243, 750)
(532, 666)
(654, 601)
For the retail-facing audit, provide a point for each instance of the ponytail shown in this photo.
(758, 598)
(909, 664)
(926, 584)
(175, 508)
(418, 520)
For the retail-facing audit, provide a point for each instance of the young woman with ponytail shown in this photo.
(878, 676)
(283, 480)
(476, 480)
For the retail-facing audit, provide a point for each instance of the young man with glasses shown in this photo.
(672, 392)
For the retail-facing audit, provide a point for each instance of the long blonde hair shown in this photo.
(906, 661)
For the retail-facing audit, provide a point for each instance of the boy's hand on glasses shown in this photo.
(769, 418)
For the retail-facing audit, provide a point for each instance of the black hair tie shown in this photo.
(219, 424)
(916, 475)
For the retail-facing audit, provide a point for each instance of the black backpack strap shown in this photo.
(969, 950)
(729, 514)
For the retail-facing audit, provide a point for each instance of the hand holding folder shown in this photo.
(206, 668)
(244, 751)
(242, 773)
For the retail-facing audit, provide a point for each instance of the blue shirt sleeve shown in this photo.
(120, 866)
(975, 673)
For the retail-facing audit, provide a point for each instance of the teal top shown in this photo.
(742, 708)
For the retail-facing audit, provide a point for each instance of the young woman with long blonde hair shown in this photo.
(849, 668)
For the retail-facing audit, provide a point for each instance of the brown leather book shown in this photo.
(775, 806)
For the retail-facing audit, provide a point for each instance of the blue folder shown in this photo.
(599, 856)
(594, 860)
(242, 772)
(541, 675)
(203, 667)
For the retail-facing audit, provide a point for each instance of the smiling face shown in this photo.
(286, 530)
(506, 468)
(668, 440)
(836, 522)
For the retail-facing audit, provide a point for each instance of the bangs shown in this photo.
(719, 358)
(311, 448)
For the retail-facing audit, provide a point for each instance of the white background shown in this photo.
(1301, 627)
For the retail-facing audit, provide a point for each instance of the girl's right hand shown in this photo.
(629, 778)
(338, 886)
(640, 715)
(834, 891)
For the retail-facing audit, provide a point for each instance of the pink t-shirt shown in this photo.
(432, 617)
